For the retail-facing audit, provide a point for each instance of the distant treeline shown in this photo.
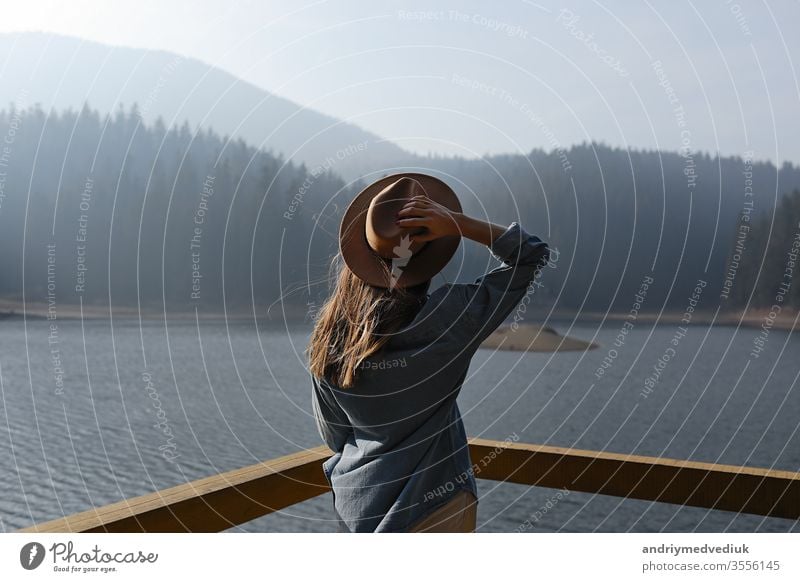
(108, 211)
(764, 263)
(619, 216)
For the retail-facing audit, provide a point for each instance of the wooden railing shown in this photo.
(222, 501)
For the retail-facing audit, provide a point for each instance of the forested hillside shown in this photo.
(107, 210)
(116, 212)
(618, 216)
(764, 263)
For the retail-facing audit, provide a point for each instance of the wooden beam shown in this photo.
(211, 504)
(713, 486)
(222, 501)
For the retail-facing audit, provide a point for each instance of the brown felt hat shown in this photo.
(370, 239)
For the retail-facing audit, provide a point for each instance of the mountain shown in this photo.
(62, 72)
(616, 217)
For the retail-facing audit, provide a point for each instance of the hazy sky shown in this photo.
(479, 77)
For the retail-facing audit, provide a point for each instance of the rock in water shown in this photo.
(532, 337)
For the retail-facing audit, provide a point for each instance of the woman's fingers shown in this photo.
(414, 221)
(415, 202)
(414, 210)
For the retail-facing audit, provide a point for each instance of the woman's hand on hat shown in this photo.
(437, 220)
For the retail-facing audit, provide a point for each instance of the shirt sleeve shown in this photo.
(332, 422)
(474, 310)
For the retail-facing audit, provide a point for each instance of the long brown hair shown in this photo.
(355, 322)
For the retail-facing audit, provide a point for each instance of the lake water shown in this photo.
(214, 397)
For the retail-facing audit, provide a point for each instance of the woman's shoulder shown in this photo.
(442, 310)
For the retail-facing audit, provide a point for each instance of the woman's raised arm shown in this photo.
(473, 311)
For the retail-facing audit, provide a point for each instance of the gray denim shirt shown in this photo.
(399, 441)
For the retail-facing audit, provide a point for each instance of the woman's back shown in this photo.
(397, 433)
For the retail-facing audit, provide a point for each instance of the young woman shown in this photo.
(387, 359)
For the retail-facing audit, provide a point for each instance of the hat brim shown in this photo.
(368, 265)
